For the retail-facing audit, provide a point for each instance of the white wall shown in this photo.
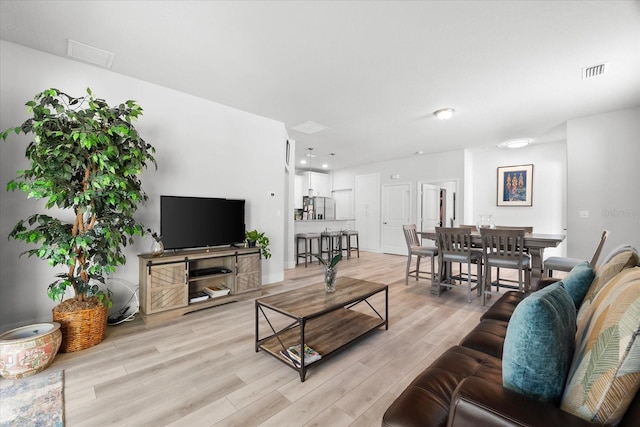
(604, 179)
(289, 217)
(203, 149)
(547, 215)
(448, 166)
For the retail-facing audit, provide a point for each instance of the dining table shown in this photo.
(534, 242)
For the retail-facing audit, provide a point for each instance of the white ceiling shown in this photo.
(372, 72)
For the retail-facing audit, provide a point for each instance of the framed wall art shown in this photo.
(515, 185)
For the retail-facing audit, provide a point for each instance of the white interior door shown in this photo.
(395, 213)
(367, 211)
(429, 207)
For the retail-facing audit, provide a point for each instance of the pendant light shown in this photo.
(310, 188)
(332, 157)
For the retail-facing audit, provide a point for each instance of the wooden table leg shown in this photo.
(443, 274)
(536, 266)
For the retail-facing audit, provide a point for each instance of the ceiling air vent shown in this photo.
(309, 127)
(90, 54)
(594, 70)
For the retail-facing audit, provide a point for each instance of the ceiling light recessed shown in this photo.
(515, 143)
(444, 113)
(417, 153)
(303, 162)
(324, 166)
(309, 127)
(90, 54)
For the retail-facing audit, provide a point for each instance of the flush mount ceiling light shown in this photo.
(444, 113)
(515, 143)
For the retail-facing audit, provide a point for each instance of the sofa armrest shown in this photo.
(546, 281)
(482, 403)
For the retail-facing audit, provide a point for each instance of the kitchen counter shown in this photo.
(323, 220)
(320, 225)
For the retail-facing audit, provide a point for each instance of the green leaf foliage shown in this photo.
(261, 240)
(86, 157)
(332, 262)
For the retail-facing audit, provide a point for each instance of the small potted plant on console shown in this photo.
(254, 237)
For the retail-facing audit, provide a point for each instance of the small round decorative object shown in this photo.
(29, 349)
(157, 248)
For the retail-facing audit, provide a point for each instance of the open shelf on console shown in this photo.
(168, 282)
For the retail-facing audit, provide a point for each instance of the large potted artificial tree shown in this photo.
(85, 159)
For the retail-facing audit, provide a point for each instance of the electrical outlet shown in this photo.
(583, 213)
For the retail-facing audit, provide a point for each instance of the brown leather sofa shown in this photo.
(464, 386)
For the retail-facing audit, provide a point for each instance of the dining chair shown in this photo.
(454, 245)
(527, 230)
(504, 249)
(567, 264)
(416, 249)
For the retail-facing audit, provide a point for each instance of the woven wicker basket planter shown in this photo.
(81, 329)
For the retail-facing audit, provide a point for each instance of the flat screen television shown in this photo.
(196, 222)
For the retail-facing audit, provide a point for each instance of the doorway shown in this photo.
(437, 205)
(396, 211)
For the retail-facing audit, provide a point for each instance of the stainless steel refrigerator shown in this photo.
(320, 208)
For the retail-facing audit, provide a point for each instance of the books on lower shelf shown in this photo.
(198, 296)
(310, 355)
(217, 291)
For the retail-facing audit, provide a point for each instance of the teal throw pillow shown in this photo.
(539, 344)
(578, 281)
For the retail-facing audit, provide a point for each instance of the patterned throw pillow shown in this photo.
(604, 273)
(539, 344)
(605, 372)
(625, 247)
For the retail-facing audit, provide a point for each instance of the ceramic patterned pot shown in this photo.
(28, 350)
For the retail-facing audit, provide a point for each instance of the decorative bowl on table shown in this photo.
(485, 222)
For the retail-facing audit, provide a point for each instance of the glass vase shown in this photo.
(157, 248)
(485, 222)
(330, 278)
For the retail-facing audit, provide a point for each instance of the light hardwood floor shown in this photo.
(202, 370)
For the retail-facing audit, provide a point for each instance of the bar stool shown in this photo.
(332, 241)
(348, 234)
(308, 239)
